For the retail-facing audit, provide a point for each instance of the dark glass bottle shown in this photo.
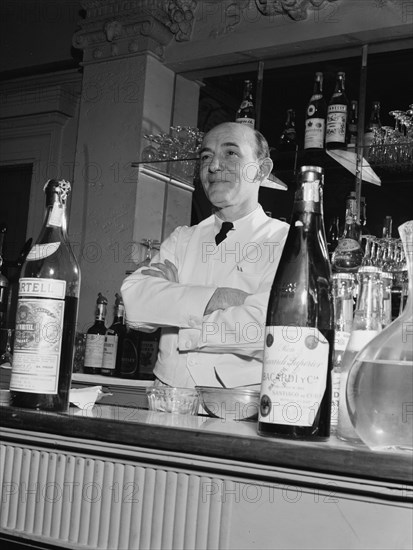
(387, 230)
(129, 364)
(296, 380)
(288, 138)
(348, 255)
(373, 125)
(47, 313)
(315, 122)
(95, 339)
(246, 110)
(352, 125)
(337, 113)
(4, 283)
(333, 234)
(115, 335)
(148, 353)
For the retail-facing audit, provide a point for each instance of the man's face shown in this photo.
(229, 167)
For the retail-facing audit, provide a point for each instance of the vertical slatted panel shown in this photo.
(95, 512)
(103, 504)
(68, 497)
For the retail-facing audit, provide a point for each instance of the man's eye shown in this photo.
(205, 157)
(232, 153)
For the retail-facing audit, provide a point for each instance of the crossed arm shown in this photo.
(222, 298)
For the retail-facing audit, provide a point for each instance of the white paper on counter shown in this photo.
(86, 397)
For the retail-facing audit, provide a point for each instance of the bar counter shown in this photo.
(199, 482)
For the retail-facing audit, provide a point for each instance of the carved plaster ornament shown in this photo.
(295, 9)
(181, 14)
(121, 27)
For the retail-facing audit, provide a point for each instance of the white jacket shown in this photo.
(230, 340)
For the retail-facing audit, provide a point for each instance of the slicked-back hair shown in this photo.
(262, 148)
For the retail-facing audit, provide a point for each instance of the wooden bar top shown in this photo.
(212, 437)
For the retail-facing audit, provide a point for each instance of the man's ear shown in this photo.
(265, 168)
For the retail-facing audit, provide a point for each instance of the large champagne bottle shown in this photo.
(47, 313)
(246, 111)
(299, 338)
(336, 129)
(315, 121)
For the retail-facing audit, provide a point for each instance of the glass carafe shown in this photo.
(380, 383)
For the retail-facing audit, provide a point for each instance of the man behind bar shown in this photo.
(208, 287)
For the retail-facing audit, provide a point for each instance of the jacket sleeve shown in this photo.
(152, 302)
(239, 330)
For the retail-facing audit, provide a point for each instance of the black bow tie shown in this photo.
(225, 227)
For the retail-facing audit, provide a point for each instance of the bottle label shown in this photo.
(315, 97)
(245, 103)
(314, 133)
(341, 338)
(42, 288)
(41, 251)
(95, 344)
(109, 351)
(56, 215)
(148, 354)
(336, 123)
(38, 336)
(294, 375)
(249, 121)
(335, 397)
(347, 245)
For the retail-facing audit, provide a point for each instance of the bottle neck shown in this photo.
(119, 315)
(368, 307)
(100, 314)
(55, 214)
(318, 87)
(308, 200)
(352, 226)
(343, 304)
(340, 86)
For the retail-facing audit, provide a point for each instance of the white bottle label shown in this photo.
(314, 133)
(336, 123)
(294, 375)
(95, 344)
(335, 397)
(341, 337)
(109, 351)
(249, 121)
(38, 336)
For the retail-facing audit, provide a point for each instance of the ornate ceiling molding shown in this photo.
(116, 28)
(295, 9)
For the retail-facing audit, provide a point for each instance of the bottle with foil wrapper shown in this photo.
(47, 312)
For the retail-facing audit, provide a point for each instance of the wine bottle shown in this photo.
(4, 282)
(337, 116)
(333, 234)
(148, 353)
(366, 325)
(387, 229)
(129, 362)
(343, 290)
(246, 110)
(315, 122)
(348, 254)
(112, 352)
(288, 138)
(47, 313)
(95, 339)
(296, 380)
(373, 125)
(352, 125)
